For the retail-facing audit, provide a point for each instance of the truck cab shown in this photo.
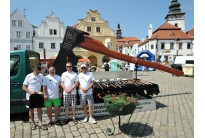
(21, 64)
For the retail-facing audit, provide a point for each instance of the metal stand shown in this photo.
(111, 131)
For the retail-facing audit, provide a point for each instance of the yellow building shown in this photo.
(98, 29)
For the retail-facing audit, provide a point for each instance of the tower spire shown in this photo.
(175, 16)
(118, 33)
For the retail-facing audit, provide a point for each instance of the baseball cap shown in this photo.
(83, 65)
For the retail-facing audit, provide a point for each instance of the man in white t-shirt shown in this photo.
(32, 85)
(52, 95)
(86, 81)
(69, 82)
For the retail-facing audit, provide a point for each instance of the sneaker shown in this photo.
(75, 121)
(92, 120)
(66, 121)
(85, 119)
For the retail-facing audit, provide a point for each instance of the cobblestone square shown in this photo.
(174, 116)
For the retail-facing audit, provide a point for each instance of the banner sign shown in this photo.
(98, 110)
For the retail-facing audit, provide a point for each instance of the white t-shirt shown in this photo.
(69, 79)
(52, 83)
(33, 83)
(85, 80)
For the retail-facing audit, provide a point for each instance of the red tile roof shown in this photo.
(168, 32)
(75, 26)
(130, 40)
(191, 32)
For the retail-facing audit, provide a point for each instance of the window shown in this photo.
(55, 32)
(109, 45)
(61, 45)
(97, 29)
(28, 35)
(51, 32)
(20, 23)
(28, 47)
(53, 46)
(162, 45)
(41, 45)
(89, 29)
(180, 45)
(13, 23)
(188, 45)
(18, 34)
(18, 46)
(152, 46)
(14, 65)
(171, 45)
(93, 19)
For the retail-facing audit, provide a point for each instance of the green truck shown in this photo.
(21, 64)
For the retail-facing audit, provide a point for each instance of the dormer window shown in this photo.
(93, 19)
(176, 24)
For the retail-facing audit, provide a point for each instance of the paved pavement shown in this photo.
(173, 118)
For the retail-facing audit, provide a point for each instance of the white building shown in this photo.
(167, 42)
(21, 31)
(170, 39)
(49, 36)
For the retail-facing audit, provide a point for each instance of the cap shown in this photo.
(83, 65)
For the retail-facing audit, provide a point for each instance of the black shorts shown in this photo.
(36, 101)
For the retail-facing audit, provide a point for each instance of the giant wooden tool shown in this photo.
(77, 36)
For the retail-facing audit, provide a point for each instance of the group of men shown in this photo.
(55, 87)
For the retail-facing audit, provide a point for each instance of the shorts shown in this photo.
(69, 100)
(86, 98)
(35, 101)
(52, 102)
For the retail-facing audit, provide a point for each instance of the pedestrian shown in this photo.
(32, 85)
(86, 81)
(107, 67)
(69, 82)
(52, 95)
(143, 68)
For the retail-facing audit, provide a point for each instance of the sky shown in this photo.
(134, 16)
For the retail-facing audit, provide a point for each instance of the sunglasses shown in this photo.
(68, 66)
(83, 68)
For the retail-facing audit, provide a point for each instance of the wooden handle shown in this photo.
(97, 46)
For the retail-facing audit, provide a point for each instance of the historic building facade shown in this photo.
(21, 31)
(170, 39)
(49, 36)
(98, 29)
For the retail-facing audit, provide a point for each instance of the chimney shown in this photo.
(150, 31)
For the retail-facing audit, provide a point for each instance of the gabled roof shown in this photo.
(168, 32)
(16, 11)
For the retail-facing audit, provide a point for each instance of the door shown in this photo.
(16, 81)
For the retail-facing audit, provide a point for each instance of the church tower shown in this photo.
(118, 33)
(175, 16)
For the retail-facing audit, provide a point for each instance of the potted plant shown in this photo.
(121, 104)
